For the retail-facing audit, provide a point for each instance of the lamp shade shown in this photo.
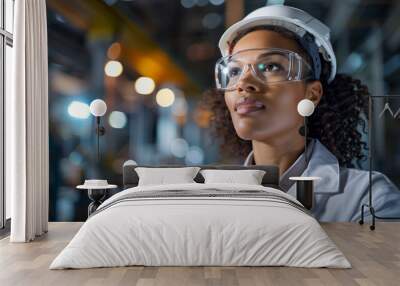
(305, 107)
(98, 107)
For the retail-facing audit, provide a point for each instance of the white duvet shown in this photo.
(183, 231)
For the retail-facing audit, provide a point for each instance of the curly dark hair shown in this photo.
(343, 108)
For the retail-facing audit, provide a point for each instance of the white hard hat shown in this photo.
(293, 19)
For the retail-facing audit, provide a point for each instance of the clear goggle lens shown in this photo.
(266, 65)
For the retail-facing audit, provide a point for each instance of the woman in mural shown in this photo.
(272, 59)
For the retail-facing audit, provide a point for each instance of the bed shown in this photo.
(201, 224)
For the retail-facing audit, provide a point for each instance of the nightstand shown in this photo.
(305, 190)
(97, 191)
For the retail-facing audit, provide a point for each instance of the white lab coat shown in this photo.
(341, 191)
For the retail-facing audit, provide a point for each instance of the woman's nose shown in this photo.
(248, 83)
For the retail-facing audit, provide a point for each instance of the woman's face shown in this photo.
(278, 117)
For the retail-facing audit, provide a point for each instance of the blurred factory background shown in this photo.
(151, 60)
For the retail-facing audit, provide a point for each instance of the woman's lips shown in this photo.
(246, 109)
(248, 106)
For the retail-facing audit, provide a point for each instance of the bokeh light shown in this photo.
(144, 85)
(180, 106)
(76, 158)
(179, 147)
(117, 119)
(216, 2)
(114, 51)
(188, 3)
(195, 155)
(165, 97)
(78, 110)
(211, 20)
(113, 68)
(275, 2)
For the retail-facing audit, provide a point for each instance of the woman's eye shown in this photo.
(234, 71)
(270, 67)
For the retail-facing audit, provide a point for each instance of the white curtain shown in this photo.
(27, 123)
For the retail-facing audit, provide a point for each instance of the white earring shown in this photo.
(305, 107)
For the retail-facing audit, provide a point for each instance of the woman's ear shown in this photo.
(314, 91)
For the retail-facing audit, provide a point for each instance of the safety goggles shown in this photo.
(266, 65)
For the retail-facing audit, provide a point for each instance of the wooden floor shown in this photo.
(375, 257)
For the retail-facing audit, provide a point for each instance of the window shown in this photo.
(6, 45)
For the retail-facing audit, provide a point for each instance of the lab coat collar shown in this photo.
(322, 163)
(325, 165)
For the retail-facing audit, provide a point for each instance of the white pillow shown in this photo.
(162, 176)
(249, 177)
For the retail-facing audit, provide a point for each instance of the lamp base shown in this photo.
(305, 193)
(96, 196)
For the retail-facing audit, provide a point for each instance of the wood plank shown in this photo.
(374, 255)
